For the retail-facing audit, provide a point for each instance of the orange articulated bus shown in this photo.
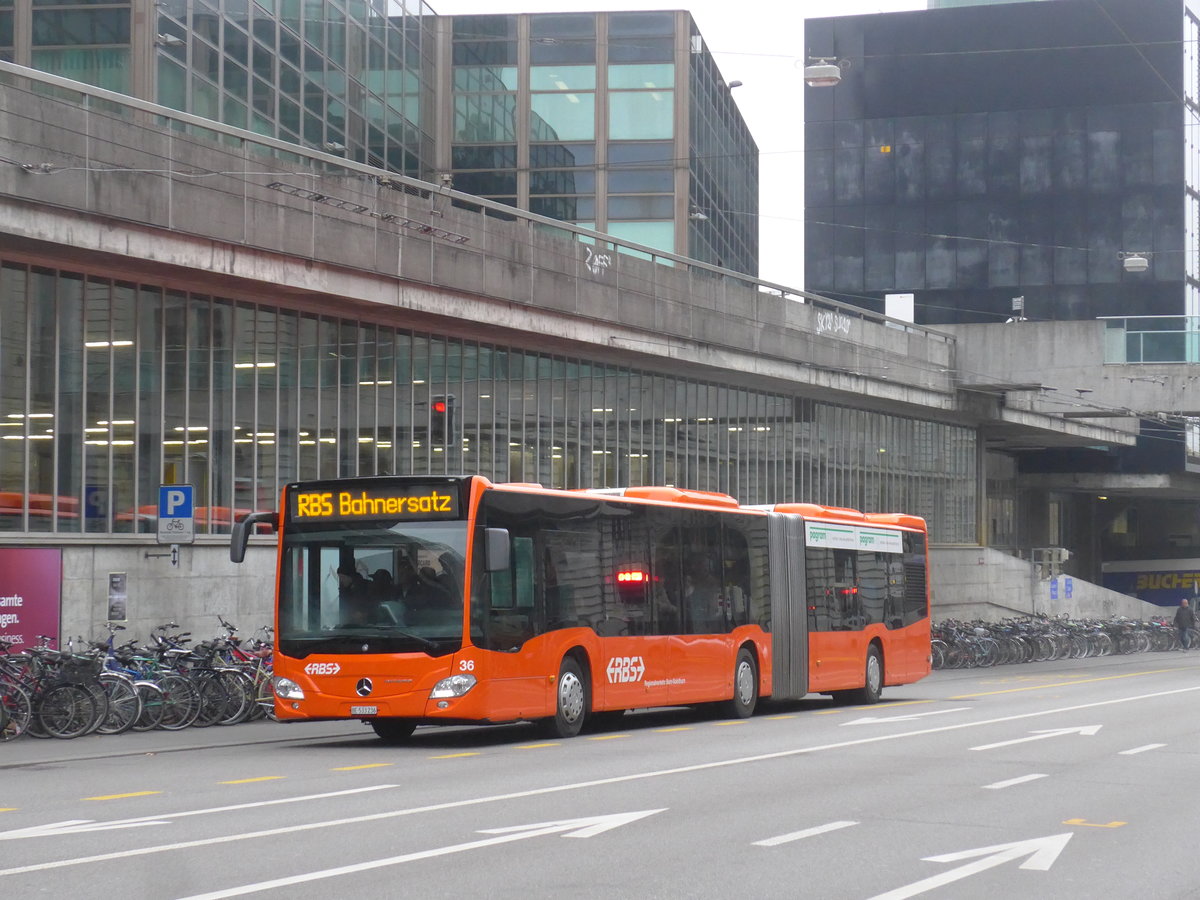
(416, 600)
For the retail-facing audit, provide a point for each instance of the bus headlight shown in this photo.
(454, 686)
(286, 689)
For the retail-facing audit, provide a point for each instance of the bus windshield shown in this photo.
(357, 588)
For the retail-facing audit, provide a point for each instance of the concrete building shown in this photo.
(1026, 175)
(185, 302)
(619, 121)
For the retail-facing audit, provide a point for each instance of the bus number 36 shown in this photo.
(466, 665)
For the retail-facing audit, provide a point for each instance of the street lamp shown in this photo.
(822, 72)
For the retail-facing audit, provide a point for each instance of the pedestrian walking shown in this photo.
(1185, 622)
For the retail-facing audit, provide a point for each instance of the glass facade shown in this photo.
(109, 389)
(969, 178)
(556, 94)
(351, 78)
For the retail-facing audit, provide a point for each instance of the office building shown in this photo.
(1032, 165)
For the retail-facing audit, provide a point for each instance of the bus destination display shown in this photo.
(419, 501)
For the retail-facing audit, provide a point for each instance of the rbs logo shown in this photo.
(625, 669)
(322, 669)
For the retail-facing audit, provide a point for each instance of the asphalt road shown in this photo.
(1071, 779)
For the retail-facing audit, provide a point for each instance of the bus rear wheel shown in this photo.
(872, 687)
(745, 687)
(393, 731)
(572, 701)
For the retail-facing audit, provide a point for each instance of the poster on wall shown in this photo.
(117, 597)
(30, 594)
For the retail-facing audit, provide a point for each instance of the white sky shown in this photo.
(761, 44)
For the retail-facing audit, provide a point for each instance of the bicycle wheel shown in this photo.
(100, 701)
(181, 702)
(213, 698)
(239, 696)
(264, 695)
(124, 703)
(66, 711)
(18, 709)
(151, 713)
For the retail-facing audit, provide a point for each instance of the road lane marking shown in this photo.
(1041, 687)
(608, 737)
(574, 786)
(784, 716)
(252, 780)
(728, 722)
(9, 809)
(1141, 749)
(800, 835)
(123, 796)
(1042, 734)
(897, 703)
(1000, 785)
(456, 755)
(538, 746)
(675, 728)
(1088, 824)
(75, 825)
(576, 828)
(363, 766)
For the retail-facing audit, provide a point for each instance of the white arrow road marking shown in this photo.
(800, 835)
(871, 720)
(580, 828)
(1042, 853)
(1042, 735)
(78, 826)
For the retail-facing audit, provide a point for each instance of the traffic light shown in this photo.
(441, 419)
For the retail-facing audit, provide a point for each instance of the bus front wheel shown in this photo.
(745, 687)
(572, 702)
(394, 731)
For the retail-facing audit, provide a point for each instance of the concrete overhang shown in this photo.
(1011, 430)
(1113, 486)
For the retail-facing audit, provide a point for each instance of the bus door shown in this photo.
(605, 579)
(506, 620)
(700, 655)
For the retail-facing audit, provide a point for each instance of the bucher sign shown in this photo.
(30, 594)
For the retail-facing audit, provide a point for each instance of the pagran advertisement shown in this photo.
(30, 594)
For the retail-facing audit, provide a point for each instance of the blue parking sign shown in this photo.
(176, 514)
(1053, 588)
(175, 501)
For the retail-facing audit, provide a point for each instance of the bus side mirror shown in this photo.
(497, 549)
(241, 531)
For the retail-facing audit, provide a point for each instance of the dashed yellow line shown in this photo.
(1094, 824)
(676, 728)
(364, 766)
(608, 737)
(1039, 687)
(538, 746)
(730, 722)
(784, 716)
(826, 712)
(252, 780)
(9, 809)
(454, 755)
(123, 796)
(898, 703)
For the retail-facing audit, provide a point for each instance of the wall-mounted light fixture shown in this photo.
(1133, 261)
(696, 214)
(824, 71)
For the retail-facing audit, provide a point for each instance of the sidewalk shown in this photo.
(28, 751)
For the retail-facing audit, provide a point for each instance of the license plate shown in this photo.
(364, 710)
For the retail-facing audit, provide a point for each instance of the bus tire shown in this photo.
(393, 731)
(872, 687)
(745, 687)
(572, 702)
